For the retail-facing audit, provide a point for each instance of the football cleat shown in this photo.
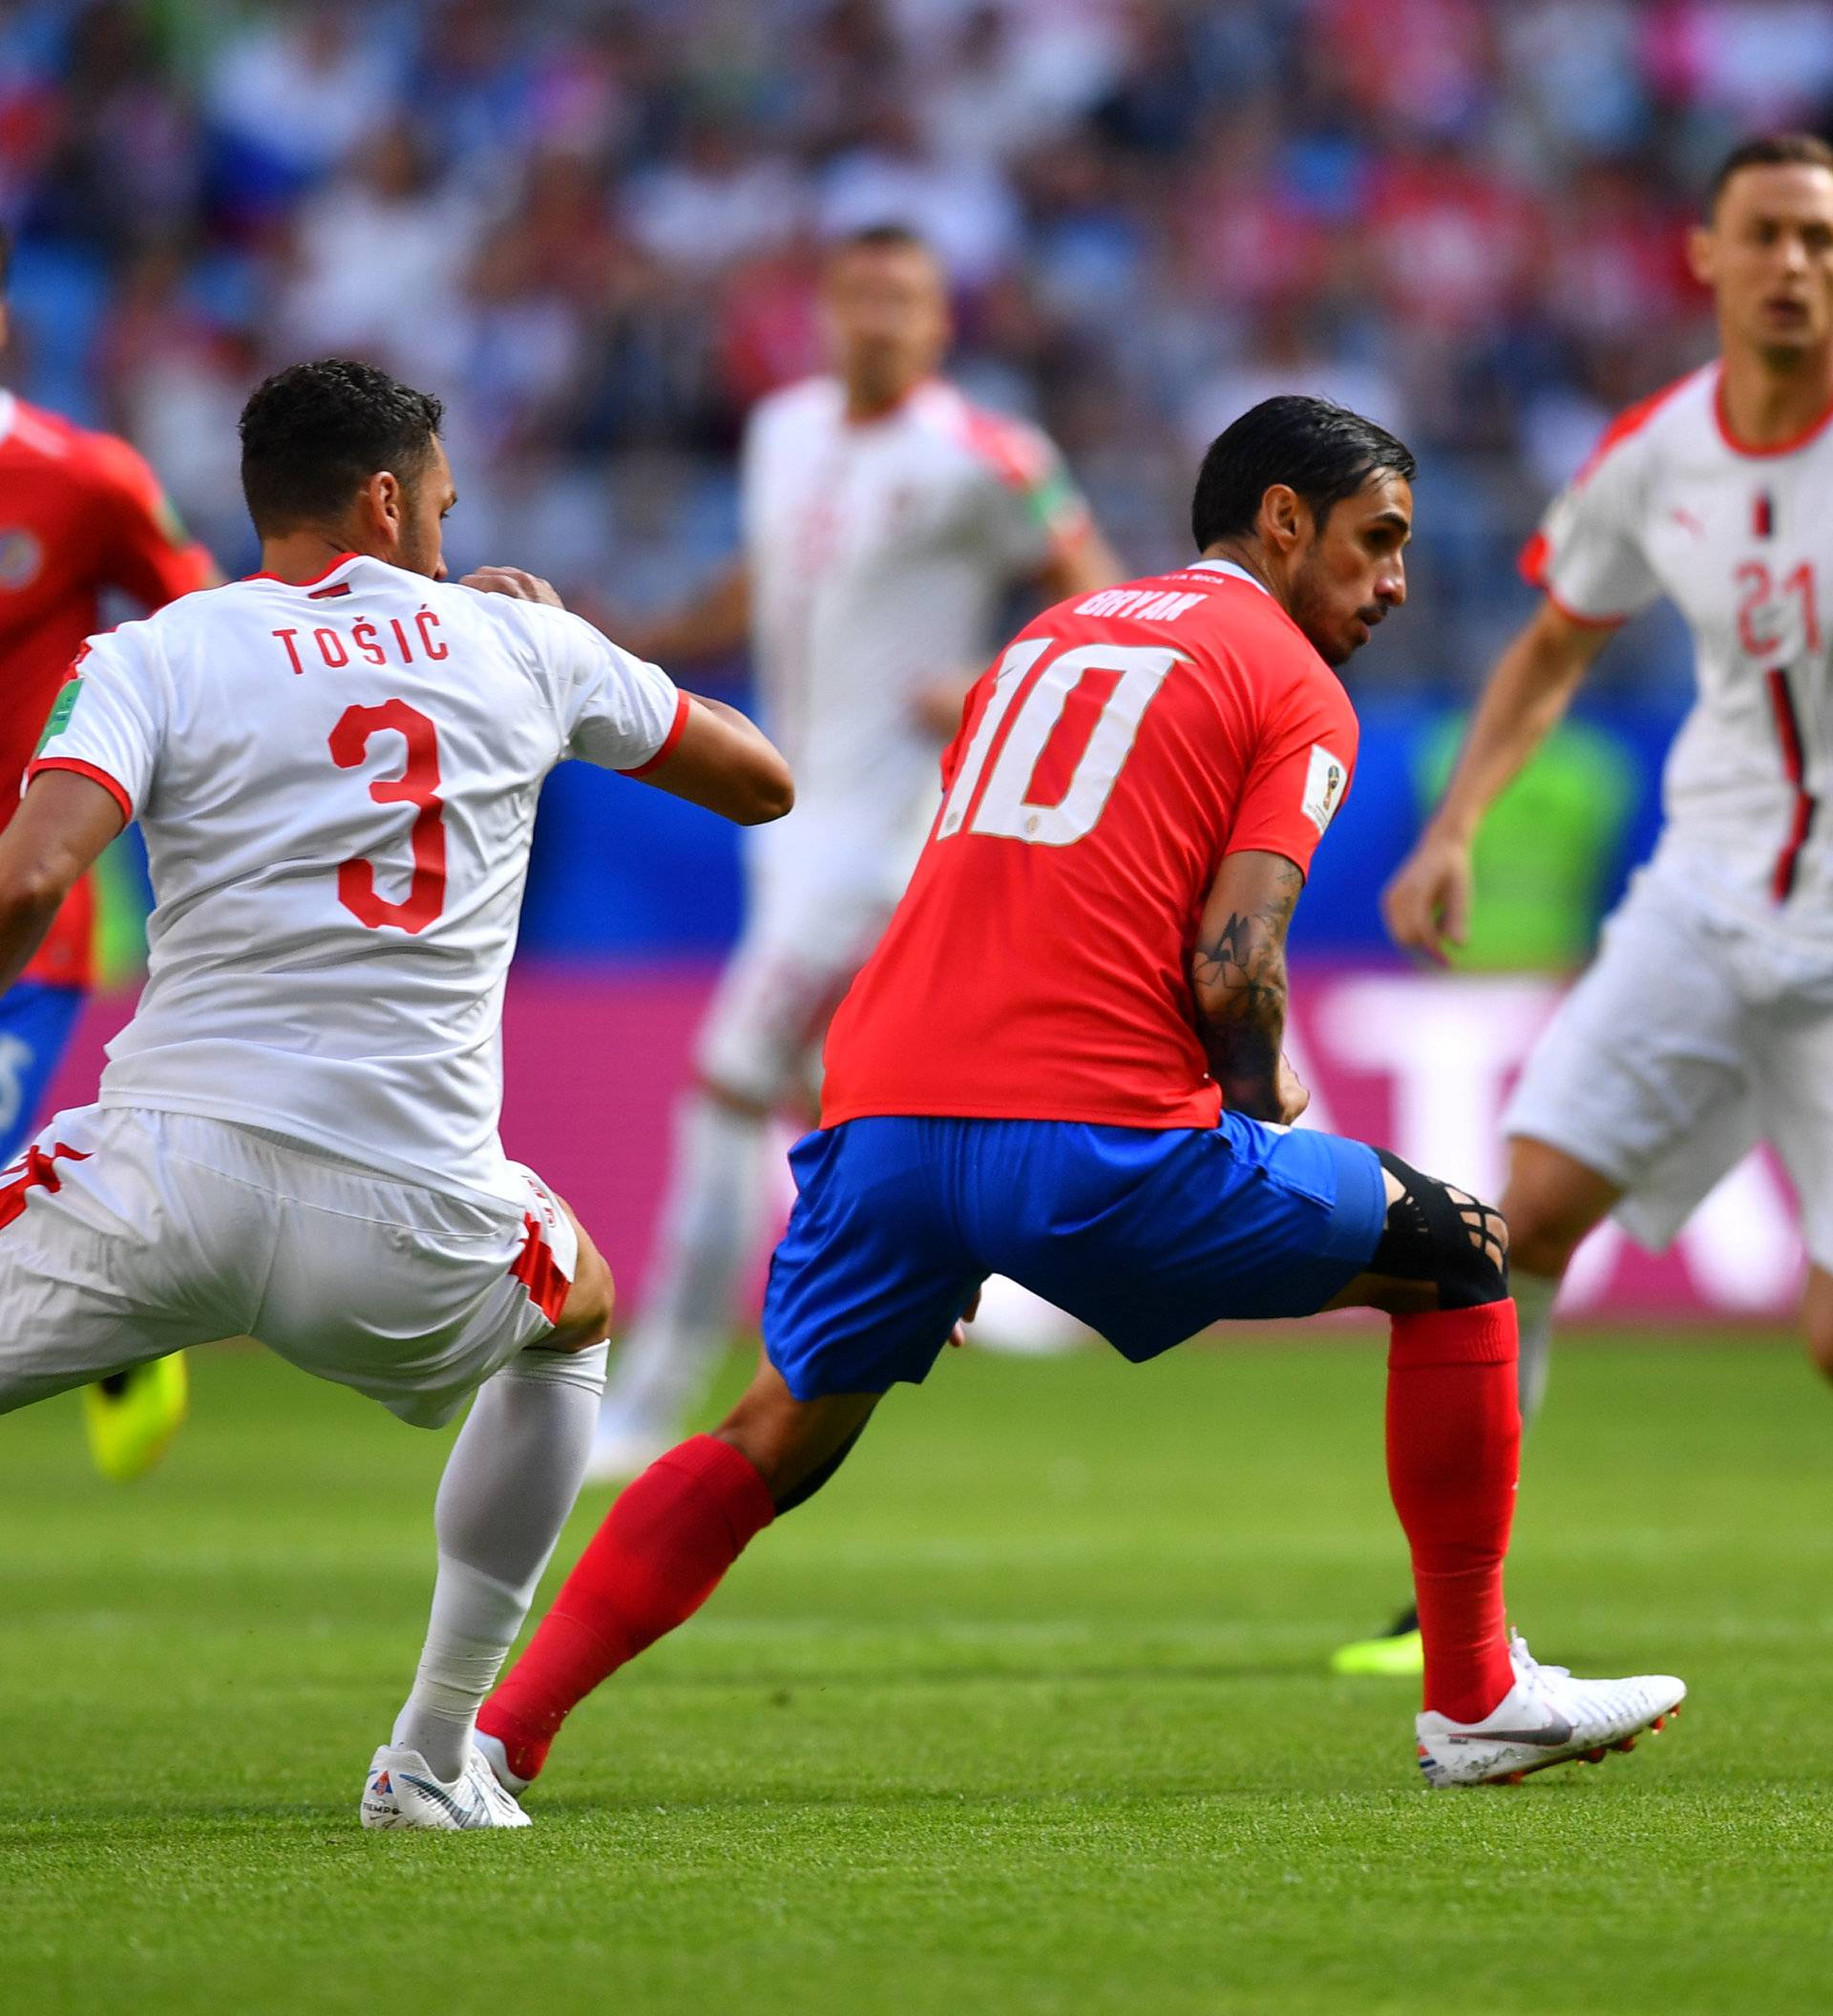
(401, 1791)
(1397, 1653)
(1548, 1717)
(131, 1418)
(490, 1750)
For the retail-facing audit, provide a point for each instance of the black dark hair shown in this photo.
(315, 434)
(1768, 150)
(881, 238)
(1320, 450)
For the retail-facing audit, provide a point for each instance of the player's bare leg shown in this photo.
(510, 1482)
(1817, 1318)
(1551, 1203)
(711, 1220)
(662, 1549)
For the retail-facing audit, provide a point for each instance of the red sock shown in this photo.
(1453, 1453)
(662, 1549)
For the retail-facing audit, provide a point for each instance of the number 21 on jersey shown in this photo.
(1005, 808)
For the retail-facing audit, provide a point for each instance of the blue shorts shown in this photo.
(35, 1024)
(1146, 1236)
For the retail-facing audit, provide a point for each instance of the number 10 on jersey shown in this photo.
(1005, 808)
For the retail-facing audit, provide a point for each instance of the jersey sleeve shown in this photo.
(1588, 556)
(617, 710)
(1033, 508)
(146, 550)
(1301, 772)
(108, 721)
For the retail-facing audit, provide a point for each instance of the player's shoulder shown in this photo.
(101, 462)
(1013, 450)
(1677, 417)
(1213, 614)
(806, 404)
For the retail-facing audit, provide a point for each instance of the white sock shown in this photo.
(710, 1222)
(1534, 1295)
(509, 1483)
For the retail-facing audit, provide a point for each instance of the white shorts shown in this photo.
(1693, 1035)
(804, 942)
(126, 1234)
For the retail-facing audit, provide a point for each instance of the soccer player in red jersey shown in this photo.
(79, 513)
(1065, 1063)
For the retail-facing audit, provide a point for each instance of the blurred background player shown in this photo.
(336, 763)
(886, 517)
(1705, 1023)
(1066, 1060)
(80, 515)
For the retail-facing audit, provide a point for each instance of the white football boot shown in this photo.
(1546, 1718)
(401, 1791)
(490, 1750)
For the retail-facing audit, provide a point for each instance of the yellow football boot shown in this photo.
(1397, 1654)
(131, 1415)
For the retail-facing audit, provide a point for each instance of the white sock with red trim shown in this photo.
(711, 1221)
(509, 1483)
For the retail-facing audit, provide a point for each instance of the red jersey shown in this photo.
(78, 513)
(1037, 967)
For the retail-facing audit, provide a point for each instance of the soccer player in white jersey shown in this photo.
(885, 519)
(1705, 1023)
(335, 765)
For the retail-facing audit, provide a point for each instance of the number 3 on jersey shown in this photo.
(418, 783)
(1005, 806)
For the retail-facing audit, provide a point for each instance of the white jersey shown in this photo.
(337, 786)
(1742, 540)
(878, 552)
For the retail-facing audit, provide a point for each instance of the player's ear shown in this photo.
(382, 505)
(1285, 519)
(1702, 249)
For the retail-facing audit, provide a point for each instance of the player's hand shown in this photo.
(1426, 905)
(515, 583)
(1294, 1096)
(938, 705)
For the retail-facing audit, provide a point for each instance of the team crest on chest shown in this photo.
(21, 557)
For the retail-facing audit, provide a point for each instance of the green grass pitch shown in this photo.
(1026, 1714)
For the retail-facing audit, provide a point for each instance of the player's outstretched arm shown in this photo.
(1238, 978)
(725, 761)
(63, 821)
(1427, 904)
(717, 620)
(1081, 566)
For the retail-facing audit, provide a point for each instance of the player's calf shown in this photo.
(1817, 1319)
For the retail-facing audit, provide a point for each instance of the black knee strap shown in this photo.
(1438, 1234)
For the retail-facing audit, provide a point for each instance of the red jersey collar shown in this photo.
(1795, 440)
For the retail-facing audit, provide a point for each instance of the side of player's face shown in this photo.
(888, 318)
(423, 504)
(1767, 255)
(1353, 571)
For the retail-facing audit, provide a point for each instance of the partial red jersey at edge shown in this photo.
(1037, 967)
(78, 513)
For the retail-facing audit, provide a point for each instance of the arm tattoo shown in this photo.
(1239, 976)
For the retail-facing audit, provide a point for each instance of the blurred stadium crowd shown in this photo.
(595, 230)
